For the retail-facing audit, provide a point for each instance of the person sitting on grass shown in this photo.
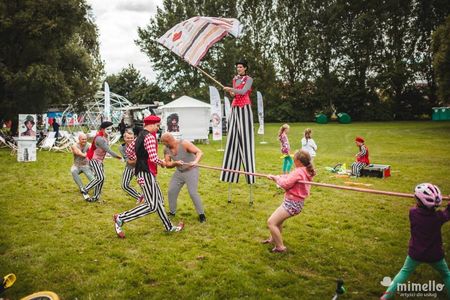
(425, 244)
(294, 197)
(128, 172)
(362, 157)
(80, 162)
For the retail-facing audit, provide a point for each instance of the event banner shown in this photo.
(227, 107)
(26, 150)
(216, 113)
(107, 108)
(260, 113)
(27, 126)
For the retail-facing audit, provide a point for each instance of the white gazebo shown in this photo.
(193, 117)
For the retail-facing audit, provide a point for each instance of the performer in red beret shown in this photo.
(362, 157)
(144, 150)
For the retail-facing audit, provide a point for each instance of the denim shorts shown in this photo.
(293, 207)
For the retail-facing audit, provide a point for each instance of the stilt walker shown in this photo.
(240, 147)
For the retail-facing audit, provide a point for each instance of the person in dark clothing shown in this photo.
(56, 127)
(122, 127)
(425, 244)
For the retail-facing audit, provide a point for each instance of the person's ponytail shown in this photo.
(305, 158)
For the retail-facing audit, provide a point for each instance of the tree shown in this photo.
(132, 85)
(49, 55)
(441, 61)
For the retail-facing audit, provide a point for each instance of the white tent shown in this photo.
(193, 117)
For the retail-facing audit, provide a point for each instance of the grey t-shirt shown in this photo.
(79, 161)
(182, 154)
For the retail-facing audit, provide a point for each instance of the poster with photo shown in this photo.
(173, 123)
(27, 126)
(26, 150)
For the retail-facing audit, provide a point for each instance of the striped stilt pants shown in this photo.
(97, 182)
(357, 167)
(154, 201)
(240, 148)
(127, 175)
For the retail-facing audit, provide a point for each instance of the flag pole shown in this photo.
(212, 78)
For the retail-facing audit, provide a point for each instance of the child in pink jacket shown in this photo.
(294, 197)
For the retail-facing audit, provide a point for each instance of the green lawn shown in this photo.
(53, 240)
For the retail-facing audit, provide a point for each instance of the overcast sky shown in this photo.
(117, 22)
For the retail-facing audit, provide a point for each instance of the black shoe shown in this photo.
(171, 214)
(202, 218)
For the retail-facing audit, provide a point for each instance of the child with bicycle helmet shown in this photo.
(425, 244)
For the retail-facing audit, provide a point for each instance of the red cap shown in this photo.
(359, 139)
(152, 119)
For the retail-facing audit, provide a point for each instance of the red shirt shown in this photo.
(241, 100)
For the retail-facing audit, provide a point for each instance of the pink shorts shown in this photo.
(292, 207)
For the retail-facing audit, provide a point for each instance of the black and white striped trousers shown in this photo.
(127, 175)
(154, 201)
(357, 167)
(240, 148)
(97, 182)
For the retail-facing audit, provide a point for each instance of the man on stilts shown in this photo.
(240, 147)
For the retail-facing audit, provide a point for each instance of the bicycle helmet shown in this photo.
(428, 194)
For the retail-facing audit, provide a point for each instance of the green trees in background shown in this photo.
(372, 59)
(48, 55)
(441, 59)
(132, 85)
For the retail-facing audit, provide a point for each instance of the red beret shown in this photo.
(152, 119)
(359, 139)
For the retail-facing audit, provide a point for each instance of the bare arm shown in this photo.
(191, 148)
(77, 151)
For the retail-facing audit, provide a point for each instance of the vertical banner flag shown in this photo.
(107, 110)
(227, 108)
(216, 113)
(260, 113)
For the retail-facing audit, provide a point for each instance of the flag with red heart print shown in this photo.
(192, 38)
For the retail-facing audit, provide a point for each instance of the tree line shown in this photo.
(375, 60)
(370, 59)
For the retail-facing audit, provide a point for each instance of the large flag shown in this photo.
(216, 113)
(260, 113)
(192, 38)
(107, 108)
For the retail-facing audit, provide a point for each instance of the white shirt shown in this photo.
(310, 146)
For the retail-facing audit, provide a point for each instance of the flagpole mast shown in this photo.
(212, 78)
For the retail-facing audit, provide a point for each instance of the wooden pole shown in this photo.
(212, 78)
(395, 194)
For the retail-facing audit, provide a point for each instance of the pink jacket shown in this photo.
(295, 191)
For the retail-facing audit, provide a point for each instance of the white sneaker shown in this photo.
(118, 226)
(177, 228)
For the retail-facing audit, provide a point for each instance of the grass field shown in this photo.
(53, 240)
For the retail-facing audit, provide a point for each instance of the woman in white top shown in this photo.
(308, 143)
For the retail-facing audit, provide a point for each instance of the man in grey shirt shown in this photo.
(80, 163)
(184, 156)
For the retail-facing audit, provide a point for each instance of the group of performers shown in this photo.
(142, 161)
